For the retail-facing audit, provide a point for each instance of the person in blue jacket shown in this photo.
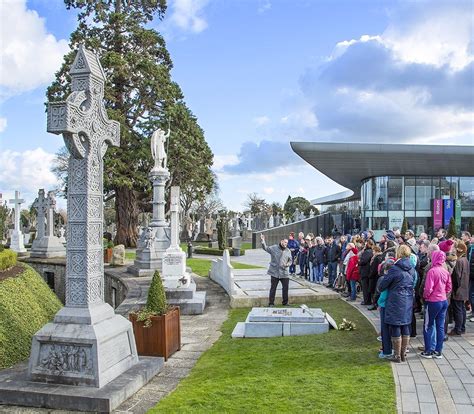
(399, 303)
(294, 246)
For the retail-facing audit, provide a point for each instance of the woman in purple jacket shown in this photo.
(437, 286)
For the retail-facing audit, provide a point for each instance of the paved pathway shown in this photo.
(434, 385)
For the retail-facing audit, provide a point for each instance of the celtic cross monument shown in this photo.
(46, 244)
(87, 343)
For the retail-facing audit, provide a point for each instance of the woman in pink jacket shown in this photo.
(437, 286)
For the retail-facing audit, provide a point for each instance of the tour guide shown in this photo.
(280, 261)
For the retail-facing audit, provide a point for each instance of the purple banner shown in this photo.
(448, 207)
(437, 214)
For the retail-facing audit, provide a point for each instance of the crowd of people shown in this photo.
(401, 276)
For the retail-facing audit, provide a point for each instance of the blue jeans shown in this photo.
(292, 266)
(318, 272)
(353, 290)
(384, 330)
(435, 314)
(332, 269)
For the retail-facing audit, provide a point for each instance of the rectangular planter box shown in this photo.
(162, 338)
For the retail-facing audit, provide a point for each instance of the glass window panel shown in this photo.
(423, 193)
(410, 185)
(424, 225)
(395, 192)
(466, 193)
(454, 187)
(367, 195)
(379, 193)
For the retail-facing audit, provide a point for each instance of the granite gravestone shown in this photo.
(16, 241)
(87, 343)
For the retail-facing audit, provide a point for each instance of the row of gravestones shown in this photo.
(46, 244)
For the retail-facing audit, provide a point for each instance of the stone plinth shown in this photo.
(16, 389)
(190, 301)
(17, 242)
(47, 247)
(271, 322)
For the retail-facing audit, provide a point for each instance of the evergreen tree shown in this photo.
(404, 226)
(471, 226)
(222, 230)
(294, 203)
(452, 228)
(140, 94)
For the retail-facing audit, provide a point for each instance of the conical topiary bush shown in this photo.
(156, 301)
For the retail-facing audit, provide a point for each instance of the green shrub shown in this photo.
(2, 247)
(214, 251)
(156, 301)
(7, 259)
(26, 304)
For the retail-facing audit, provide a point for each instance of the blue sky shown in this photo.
(259, 74)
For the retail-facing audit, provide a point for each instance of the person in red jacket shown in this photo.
(352, 273)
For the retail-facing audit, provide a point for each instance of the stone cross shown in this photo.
(87, 132)
(40, 204)
(18, 202)
(249, 221)
(51, 206)
(174, 218)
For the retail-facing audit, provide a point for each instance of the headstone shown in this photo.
(62, 232)
(283, 220)
(302, 216)
(296, 214)
(311, 213)
(180, 288)
(208, 227)
(249, 221)
(16, 241)
(271, 222)
(47, 245)
(174, 260)
(118, 255)
(277, 220)
(87, 344)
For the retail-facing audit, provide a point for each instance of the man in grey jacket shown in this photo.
(280, 261)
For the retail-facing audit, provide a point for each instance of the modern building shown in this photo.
(426, 184)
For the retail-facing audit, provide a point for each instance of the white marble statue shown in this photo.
(158, 152)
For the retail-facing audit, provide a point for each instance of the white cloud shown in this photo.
(261, 120)
(438, 35)
(29, 55)
(26, 172)
(221, 160)
(3, 124)
(263, 6)
(188, 15)
(268, 190)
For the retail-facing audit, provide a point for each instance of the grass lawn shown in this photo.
(337, 372)
(202, 266)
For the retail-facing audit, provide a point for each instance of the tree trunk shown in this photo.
(126, 208)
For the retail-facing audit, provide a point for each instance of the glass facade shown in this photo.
(387, 201)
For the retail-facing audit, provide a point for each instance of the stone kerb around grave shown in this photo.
(222, 273)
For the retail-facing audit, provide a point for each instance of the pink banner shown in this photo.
(437, 214)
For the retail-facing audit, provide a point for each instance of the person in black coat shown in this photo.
(364, 270)
(374, 275)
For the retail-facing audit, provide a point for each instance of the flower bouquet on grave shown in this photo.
(347, 325)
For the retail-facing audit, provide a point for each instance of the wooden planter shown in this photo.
(162, 338)
(108, 255)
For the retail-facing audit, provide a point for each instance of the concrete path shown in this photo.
(434, 385)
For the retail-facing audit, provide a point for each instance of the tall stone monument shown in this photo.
(46, 244)
(87, 343)
(16, 243)
(155, 239)
(180, 288)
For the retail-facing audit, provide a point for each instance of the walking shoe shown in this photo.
(384, 356)
(453, 333)
(437, 355)
(379, 338)
(371, 308)
(350, 300)
(427, 355)
(421, 348)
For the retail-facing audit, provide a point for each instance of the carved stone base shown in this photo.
(48, 246)
(150, 258)
(190, 301)
(16, 242)
(84, 347)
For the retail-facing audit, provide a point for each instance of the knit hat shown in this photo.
(390, 235)
(410, 231)
(364, 234)
(445, 246)
(413, 245)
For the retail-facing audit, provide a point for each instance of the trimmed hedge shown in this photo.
(7, 259)
(215, 252)
(26, 304)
